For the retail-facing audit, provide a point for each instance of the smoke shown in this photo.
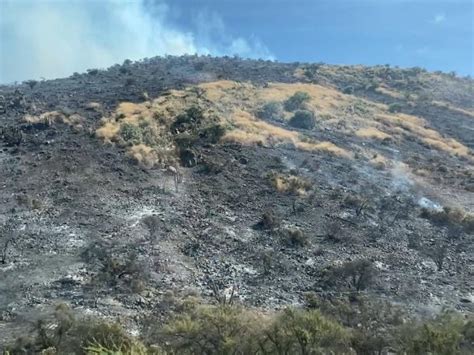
(55, 38)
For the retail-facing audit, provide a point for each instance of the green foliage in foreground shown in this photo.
(335, 328)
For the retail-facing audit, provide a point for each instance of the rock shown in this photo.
(243, 161)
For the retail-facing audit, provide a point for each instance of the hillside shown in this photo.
(293, 181)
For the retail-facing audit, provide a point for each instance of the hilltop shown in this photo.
(295, 182)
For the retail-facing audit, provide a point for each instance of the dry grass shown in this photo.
(372, 132)
(380, 162)
(386, 91)
(416, 127)
(250, 130)
(154, 116)
(452, 108)
(53, 117)
(290, 184)
(150, 157)
(94, 106)
(235, 104)
(325, 147)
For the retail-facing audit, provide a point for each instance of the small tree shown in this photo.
(358, 274)
(7, 237)
(270, 111)
(394, 108)
(438, 254)
(302, 119)
(296, 101)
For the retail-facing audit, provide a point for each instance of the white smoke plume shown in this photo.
(54, 38)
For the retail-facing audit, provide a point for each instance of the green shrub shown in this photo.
(270, 111)
(348, 90)
(302, 119)
(447, 334)
(211, 330)
(130, 133)
(304, 332)
(296, 101)
(395, 107)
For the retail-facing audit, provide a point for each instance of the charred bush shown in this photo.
(294, 237)
(212, 134)
(358, 274)
(268, 221)
(450, 217)
(12, 136)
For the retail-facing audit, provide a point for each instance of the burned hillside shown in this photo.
(217, 177)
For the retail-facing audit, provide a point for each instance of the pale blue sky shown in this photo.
(54, 38)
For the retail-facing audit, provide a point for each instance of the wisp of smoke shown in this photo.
(55, 38)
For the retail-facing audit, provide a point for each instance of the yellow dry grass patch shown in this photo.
(380, 162)
(452, 108)
(52, 117)
(417, 127)
(108, 131)
(324, 100)
(154, 117)
(371, 132)
(246, 122)
(290, 184)
(386, 91)
(250, 130)
(325, 147)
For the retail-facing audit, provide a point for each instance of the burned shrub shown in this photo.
(438, 253)
(294, 237)
(395, 107)
(291, 184)
(121, 271)
(7, 238)
(11, 135)
(296, 101)
(357, 274)
(450, 217)
(358, 203)
(302, 119)
(189, 157)
(268, 221)
(31, 83)
(153, 223)
(334, 232)
(129, 82)
(212, 134)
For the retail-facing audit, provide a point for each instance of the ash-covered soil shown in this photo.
(89, 226)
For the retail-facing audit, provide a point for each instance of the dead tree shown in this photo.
(221, 297)
(6, 239)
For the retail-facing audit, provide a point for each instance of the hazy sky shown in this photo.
(54, 38)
